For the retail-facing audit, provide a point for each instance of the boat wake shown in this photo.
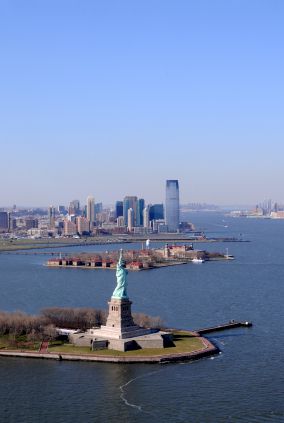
(123, 392)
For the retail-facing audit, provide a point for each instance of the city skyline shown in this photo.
(114, 99)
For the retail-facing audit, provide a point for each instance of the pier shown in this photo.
(230, 325)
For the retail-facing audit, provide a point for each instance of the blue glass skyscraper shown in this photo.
(140, 208)
(118, 208)
(172, 205)
(156, 211)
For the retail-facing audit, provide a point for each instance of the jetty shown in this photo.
(230, 325)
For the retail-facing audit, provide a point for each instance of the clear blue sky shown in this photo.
(111, 98)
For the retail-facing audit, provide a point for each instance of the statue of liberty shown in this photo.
(120, 291)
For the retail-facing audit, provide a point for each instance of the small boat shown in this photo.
(228, 256)
(197, 260)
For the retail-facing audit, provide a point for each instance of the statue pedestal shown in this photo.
(120, 332)
(120, 324)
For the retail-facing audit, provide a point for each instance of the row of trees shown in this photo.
(74, 318)
(19, 323)
(44, 325)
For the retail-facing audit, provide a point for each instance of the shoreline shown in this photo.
(25, 245)
(158, 266)
(207, 350)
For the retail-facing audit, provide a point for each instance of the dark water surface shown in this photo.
(243, 384)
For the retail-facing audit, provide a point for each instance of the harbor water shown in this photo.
(242, 384)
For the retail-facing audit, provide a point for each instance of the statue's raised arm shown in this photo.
(120, 291)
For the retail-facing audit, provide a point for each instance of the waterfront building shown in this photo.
(31, 223)
(82, 225)
(91, 210)
(70, 228)
(172, 205)
(37, 233)
(277, 214)
(120, 222)
(159, 225)
(118, 209)
(129, 202)
(130, 219)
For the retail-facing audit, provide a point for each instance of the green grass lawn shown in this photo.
(183, 341)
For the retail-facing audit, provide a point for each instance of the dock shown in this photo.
(230, 325)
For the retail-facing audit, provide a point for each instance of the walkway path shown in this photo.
(43, 347)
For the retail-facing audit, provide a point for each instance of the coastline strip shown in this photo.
(209, 349)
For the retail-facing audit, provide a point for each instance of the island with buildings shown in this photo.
(144, 259)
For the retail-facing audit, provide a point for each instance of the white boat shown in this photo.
(228, 256)
(197, 260)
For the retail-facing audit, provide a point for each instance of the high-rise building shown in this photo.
(51, 216)
(118, 209)
(172, 205)
(146, 220)
(74, 207)
(98, 208)
(91, 210)
(61, 210)
(130, 219)
(139, 213)
(4, 221)
(11, 222)
(129, 202)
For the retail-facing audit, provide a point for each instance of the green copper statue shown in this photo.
(120, 291)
